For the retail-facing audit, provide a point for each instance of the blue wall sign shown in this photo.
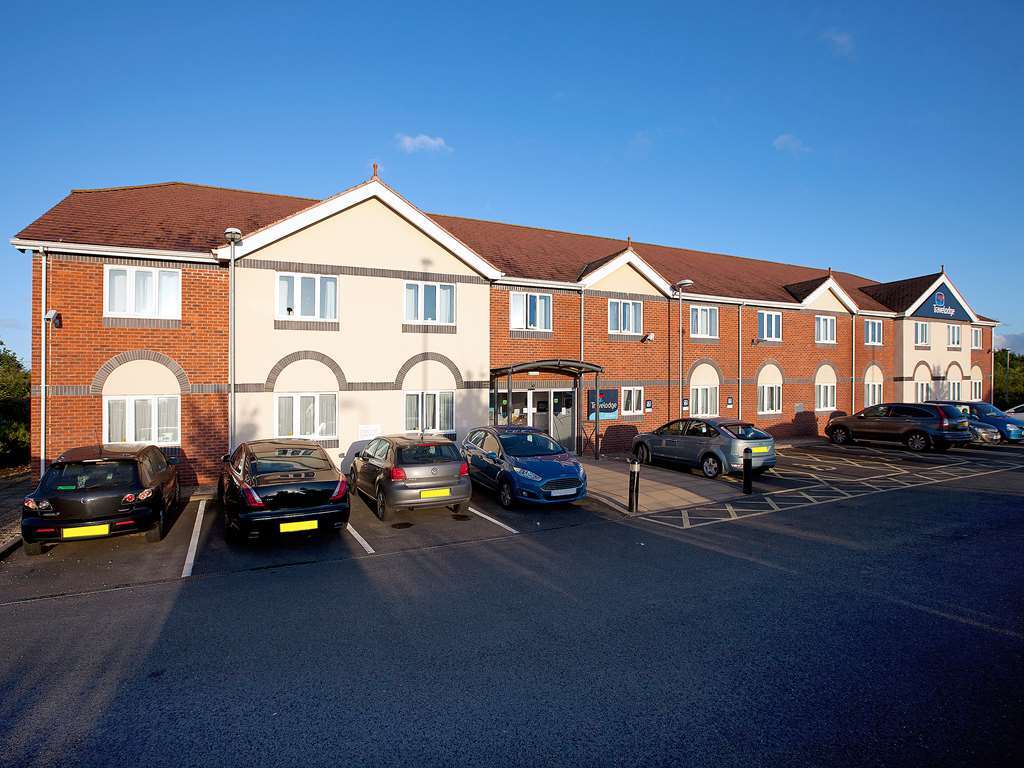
(941, 304)
(609, 408)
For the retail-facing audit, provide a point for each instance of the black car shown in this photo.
(919, 426)
(101, 490)
(281, 486)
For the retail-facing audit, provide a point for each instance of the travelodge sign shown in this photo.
(941, 304)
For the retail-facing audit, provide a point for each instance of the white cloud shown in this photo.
(841, 43)
(421, 143)
(787, 142)
(1012, 341)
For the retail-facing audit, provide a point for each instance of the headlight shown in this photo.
(527, 474)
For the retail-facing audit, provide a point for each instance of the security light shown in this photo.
(233, 234)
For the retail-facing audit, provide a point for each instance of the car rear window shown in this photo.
(951, 411)
(90, 476)
(746, 432)
(277, 460)
(428, 453)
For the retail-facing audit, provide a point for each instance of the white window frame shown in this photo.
(419, 302)
(695, 411)
(638, 401)
(872, 393)
(922, 334)
(763, 324)
(420, 394)
(872, 333)
(702, 328)
(316, 435)
(527, 295)
(282, 312)
(977, 339)
(954, 337)
(769, 398)
(619, 304)
(130, 292)
(129, 418)
(922, 391)
(955, 389)
(824, 397)
(977, 389)
(827, 323)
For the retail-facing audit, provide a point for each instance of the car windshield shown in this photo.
(988, 410)
(746, 432)
(529, 444)
(279, 460)
(428, 453)
(90, 476)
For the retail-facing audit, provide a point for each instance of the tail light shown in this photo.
(397, 473)
(252, 499)
(144, 495)
(33, 504)
(128, 498)
(341, 490)
(119, 523)
(463, 469)
(46, 530)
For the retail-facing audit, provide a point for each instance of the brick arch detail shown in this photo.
(958, 367)
(96, 387)
(869, 366)
(306, 354)
(835, 369)
(765, 364)
(709, 361)
(435, 357)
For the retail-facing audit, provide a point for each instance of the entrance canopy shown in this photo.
(557, 365)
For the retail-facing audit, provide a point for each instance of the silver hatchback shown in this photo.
(411, 472)
(712, 445)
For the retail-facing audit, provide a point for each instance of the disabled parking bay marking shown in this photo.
(478, 513)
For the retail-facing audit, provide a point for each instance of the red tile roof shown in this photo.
(192, 217)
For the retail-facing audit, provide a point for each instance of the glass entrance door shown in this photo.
(561, 418)
(541, 410)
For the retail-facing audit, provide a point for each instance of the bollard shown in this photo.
(748, 472)
(634, 486)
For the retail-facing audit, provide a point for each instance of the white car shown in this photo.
(1016, 412)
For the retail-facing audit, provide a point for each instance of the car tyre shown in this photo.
(710, 466)
(220, 493)
(643, 454)
(383, 510)
(231, 535)
(917, 442)
(459, 509)
(33, 548)
(156, 533)
(840, 436)
(505, 495)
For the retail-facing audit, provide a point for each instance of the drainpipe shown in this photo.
(853, 364)
(42, 365)
(233, 235)
(581, 389)
(739, 366)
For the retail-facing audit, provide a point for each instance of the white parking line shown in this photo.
(478, 513)
(362, 542)
(190, 558)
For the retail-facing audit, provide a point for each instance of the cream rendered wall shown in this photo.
(626, 279)
(937, 356)
(370, 346)
(141, 377)
(828, 302)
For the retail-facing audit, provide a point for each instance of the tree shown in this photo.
(1008, 396)
(14, 408)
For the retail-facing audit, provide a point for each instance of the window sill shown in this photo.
(530, 333)
(825, 343)
(427, 328)
(954, 349)
(307, 325)
(922, 347)
(769, 413)
(704, 338)
(613, 336)
(110, 321)
(873, 344)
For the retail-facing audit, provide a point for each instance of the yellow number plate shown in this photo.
(301, 525)
(85, 531)
(436, 493)
(761, 449)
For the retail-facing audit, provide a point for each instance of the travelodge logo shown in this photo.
(940, 299)
(939, 305)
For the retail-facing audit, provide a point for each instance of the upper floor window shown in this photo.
(921, 335)
(632, 401)
(625, 316)
(975, 338)
(307, 297)
(769, 325)
(432, 303)
(142, 292)
(313, 414)
(825, 329)
(873, 332)
(530, 311)
(953, 335)
(704, 322)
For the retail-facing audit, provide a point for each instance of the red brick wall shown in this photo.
(82, 345)
(983, 359)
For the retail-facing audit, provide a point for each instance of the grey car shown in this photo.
(713, 445)
(411, 472)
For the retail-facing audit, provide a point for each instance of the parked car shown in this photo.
(1011, 429)
(983, 433)
(281, 486)
(101, 490)
(524, 464)
(919, 426)
(1017, 412)
(713, 445)
(412, 472)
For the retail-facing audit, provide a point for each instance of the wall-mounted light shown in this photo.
(646, 338)
(53, 317)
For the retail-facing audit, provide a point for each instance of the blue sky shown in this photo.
(880, 139)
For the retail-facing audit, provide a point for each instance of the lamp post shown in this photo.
(233, 235)
(678, 288)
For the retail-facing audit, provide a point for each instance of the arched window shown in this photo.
(825, 389)
(922, 383)
(704, 385)
(954, 382)
(142, 404)
(769, 390)
(306, 401)
(977, 383)
(873, 386)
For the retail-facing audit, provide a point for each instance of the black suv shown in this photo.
(919, 426)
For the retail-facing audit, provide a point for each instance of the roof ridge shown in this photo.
(195, 184)
(932, 275)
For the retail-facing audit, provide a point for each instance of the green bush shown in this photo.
(14, 409)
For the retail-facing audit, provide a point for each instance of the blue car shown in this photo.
(1011, 429)
(523, 464)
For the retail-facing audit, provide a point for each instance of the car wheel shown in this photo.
(220, 493)
(230, 533)
(383, 511)
(840, 436)
(156, 533)
(917, 442)
(505, 495)
(33, 548)
(459, 509)
(643, 454)
(710, 466)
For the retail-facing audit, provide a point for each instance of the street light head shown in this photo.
(232, 234)
(683, 284)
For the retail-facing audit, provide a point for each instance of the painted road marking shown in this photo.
(190, 558)
(362, 542)
(478, 513)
